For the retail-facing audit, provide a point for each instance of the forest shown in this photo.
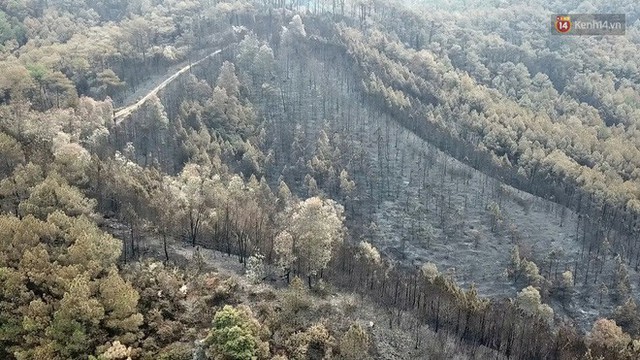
(344, 179)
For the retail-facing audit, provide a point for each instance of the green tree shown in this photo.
(347, 186)
(321, 163)
(61, 296)
(283, 246)
(108, 83)
(628, 316)
(529, 302)
(495, 215)
(228, 80)
(17, 187)
(166, 216)
(15, 81)
(316, 227)
(247, 51)
(621, 280)
(120, 302)
(236, 335)
(607, 338)
(295, 299)
(10, 29)
(354, 344)
(284, 196)
(196, 193)
(314, 342)
(11, 154)
(54, 194)
(71, 160)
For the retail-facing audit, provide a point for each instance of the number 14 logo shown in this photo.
(563, 24)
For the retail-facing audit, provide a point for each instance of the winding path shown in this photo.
(122, 113)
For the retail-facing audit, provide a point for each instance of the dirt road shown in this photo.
(122, 113)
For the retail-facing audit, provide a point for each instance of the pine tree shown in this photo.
(316, 226)
(354, 344)
(236, 334)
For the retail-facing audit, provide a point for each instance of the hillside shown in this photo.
(273, 180)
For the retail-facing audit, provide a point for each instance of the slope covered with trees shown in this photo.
(519, 99)
(303, 156)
